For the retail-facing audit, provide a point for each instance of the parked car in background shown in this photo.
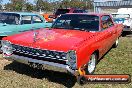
(124, 19)
(47, 18)
(75, 41)
(58, 12)
(16, 22)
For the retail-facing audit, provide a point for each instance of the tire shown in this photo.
(123, 34)
(81, 80)
(91, 65)
(116, 43)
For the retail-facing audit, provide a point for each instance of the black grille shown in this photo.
(46, 55)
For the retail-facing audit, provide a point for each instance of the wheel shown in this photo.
(116, 43)
(81, 80)
(90, 68)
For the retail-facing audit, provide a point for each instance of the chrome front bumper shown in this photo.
(127, 28)
(44, 64)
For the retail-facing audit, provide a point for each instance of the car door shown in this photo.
(112, 29)
(105, 34)
(38, 22)
(9, 23)
(25, 24)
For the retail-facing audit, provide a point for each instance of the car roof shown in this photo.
(97, 14)
(21, 13)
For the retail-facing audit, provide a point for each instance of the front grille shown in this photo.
(46, 55)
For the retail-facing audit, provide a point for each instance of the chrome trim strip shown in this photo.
(39, 48)
(26, 60)
(37, 54)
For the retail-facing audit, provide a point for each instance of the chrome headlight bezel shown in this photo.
(72, 59)
(6, 47)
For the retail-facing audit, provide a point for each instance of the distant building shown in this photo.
(111, 4)
(107, 0)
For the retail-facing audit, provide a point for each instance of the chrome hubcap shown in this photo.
(117, 42)
(91, 64)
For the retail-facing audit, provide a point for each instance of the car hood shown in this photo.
(54, 39)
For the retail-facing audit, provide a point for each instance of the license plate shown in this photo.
(35, 65)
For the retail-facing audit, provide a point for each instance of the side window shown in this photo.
(26, 20)
(110, 23)
(106, 22)
(37, 19)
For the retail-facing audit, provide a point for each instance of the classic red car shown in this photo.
(75, 41)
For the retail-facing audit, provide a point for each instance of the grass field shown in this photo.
(116, 61)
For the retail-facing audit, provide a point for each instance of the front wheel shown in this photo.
(90, 68)
(116, 43)
(81, 80)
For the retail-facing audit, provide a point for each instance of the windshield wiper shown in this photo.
(58, 27)
(81, 29)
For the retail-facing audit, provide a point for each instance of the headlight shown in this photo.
(6, 48)
(71, 57)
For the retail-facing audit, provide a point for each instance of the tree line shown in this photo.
(45, 5)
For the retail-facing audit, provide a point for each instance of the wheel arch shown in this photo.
(97, 53)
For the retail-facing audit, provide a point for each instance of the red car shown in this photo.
(75, 41)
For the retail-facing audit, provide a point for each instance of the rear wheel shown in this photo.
(91, 65)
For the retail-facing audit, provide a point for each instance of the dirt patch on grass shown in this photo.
(3, 62)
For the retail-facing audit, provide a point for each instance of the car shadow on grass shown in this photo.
(57, 77)
(103, 57)
(126, 34)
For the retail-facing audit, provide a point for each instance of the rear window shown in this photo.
(61, 11)
(26, 19)
(79, 11)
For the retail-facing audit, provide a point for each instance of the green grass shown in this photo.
(116, 61)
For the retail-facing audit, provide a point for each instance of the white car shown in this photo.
(124, 19)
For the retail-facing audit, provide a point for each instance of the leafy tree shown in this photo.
(47, 5)
(76, 4)
(16, 5)
(39, 4)
(29, 6)
(1, 4)
(43, 5)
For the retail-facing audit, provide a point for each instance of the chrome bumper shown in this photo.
(127, 28)
(45, 64)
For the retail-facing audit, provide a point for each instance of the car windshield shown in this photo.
(77, 22)
(120, 15)
(9, 18)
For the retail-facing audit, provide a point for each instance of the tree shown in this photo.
(76, 4)
(16, 5)
(43, 5)
(39, 4)
(1, 4)
(29, 6)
